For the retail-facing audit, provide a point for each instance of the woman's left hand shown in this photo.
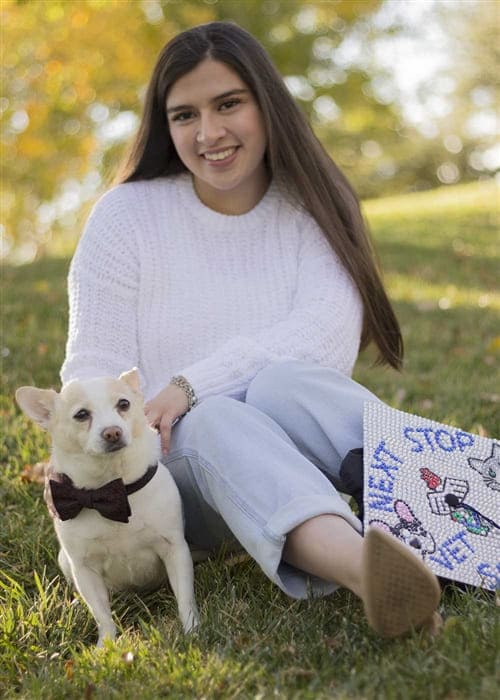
(163, 409)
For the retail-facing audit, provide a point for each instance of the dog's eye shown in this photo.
(123, 405)
(82, 415)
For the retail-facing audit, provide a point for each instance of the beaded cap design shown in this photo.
(437, 489)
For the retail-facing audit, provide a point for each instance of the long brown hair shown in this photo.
(294, 155)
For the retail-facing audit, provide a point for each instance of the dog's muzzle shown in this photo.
(113, 438)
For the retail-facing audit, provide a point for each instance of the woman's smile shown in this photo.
(221, 158)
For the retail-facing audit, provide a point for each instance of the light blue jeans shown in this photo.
(252, 471)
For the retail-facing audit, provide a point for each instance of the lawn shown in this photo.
(439, 252)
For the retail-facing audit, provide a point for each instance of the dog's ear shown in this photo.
(38, 404)
(132, 379)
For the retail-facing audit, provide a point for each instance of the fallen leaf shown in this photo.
(434, 626)
(426, 305)
(333, 643)
(34, 473)
(69, 669)
(399, 397)
(450, 623)
(299, 672)
(480, 430)
(234, 559)
(494, 398)
(494, 344)
(41, 286)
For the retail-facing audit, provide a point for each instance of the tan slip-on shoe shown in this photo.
(400, 592)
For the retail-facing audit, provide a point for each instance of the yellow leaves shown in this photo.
(494, 345)
(41, 287)
(53, 67)
(86, 145)
(355, 121)
(58, 57)
(79, 19)
(192, 14)
(42, 51)
(350, 9)
(31, 146)
(491, 357)
(84, 92)
(53, 11)
(38, 111)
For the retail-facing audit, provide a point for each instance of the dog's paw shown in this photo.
(107, 632)
(191, 621)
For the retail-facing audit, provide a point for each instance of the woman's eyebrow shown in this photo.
(223, 95)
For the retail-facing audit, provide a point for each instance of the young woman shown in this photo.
(232, 266)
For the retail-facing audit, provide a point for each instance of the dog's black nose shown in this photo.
(112, 434)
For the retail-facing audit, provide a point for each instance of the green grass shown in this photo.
(439, 251)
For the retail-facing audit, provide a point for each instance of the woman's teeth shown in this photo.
(220, 155)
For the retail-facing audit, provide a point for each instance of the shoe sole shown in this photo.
(400, 593)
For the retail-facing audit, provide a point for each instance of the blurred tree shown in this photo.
(451, 124)
(69, 69)
(74, 74)
(470, 132)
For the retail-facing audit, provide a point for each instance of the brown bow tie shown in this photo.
(110, 500)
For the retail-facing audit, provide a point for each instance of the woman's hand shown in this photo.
(163, 409)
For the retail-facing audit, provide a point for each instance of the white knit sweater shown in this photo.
(161, 282)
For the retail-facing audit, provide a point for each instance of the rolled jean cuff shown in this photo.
(293, 581)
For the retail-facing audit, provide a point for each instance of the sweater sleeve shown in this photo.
(324, 326)
(103, 289)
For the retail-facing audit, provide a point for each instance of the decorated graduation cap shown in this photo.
(437, 489)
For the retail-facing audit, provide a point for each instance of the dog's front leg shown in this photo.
(93, 590)
(179, 565)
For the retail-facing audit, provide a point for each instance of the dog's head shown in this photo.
(93, 417)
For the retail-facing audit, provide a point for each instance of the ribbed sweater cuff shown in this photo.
(208, 379)
(211, 383)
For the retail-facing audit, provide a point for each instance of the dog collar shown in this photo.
(65, 500)
(142, 480)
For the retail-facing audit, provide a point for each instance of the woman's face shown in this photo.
(218, 131)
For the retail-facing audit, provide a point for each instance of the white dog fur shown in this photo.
(97, 554)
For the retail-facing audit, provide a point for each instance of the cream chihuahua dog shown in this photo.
(117, 512)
